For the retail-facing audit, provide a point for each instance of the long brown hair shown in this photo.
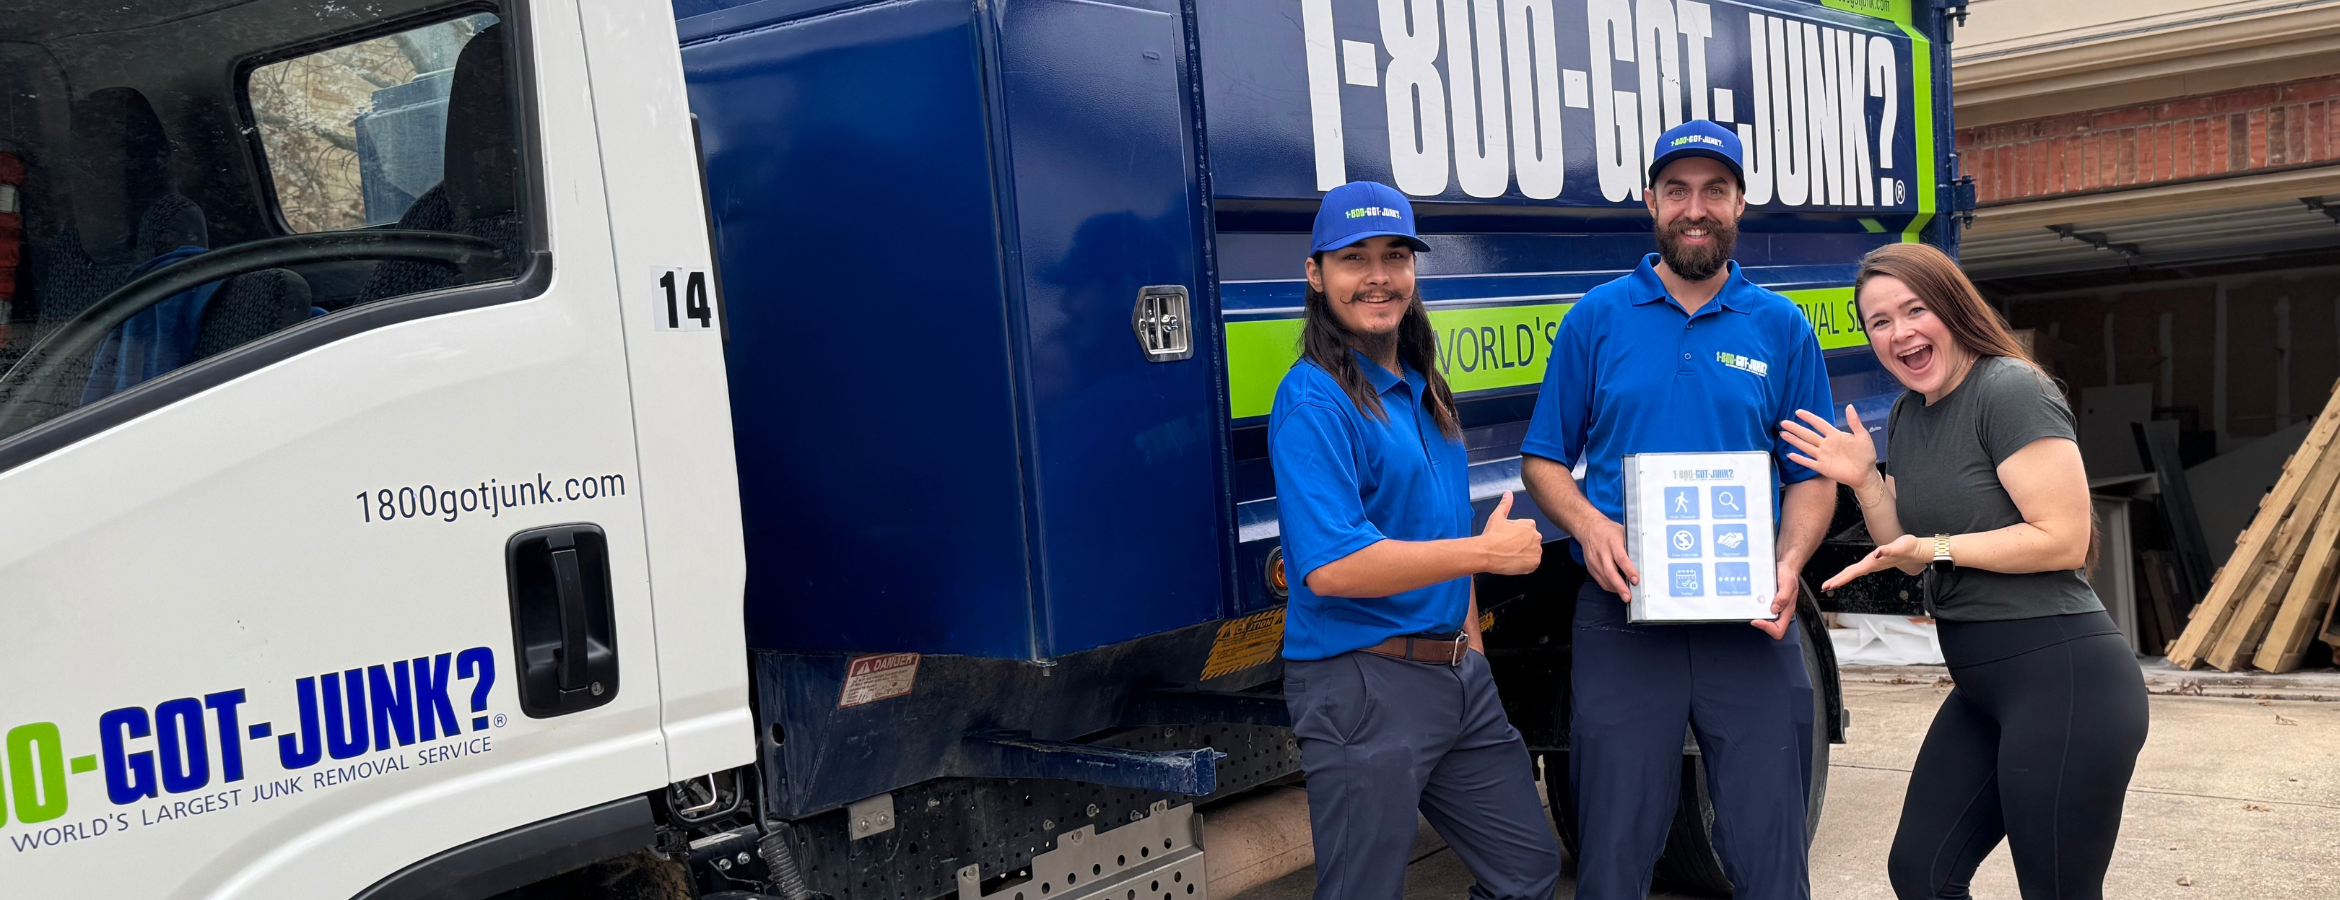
(1326, 342)
(1934, 277)
(1979, 330)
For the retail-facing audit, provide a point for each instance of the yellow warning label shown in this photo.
(1246, 642)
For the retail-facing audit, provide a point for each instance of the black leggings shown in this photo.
(2035, 745)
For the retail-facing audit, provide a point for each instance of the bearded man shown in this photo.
(1682, 355)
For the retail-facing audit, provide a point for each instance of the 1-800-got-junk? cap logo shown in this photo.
(1698, 137)
(1363, 209)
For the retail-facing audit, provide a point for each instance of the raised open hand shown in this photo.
(1846, 457)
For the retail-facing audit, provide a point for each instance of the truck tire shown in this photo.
(1689, 863)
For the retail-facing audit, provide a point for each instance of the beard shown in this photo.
(1378, 345)
(1374, 346)
(1697, 263)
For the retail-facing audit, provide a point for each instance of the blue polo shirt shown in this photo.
(1345, 481)
(1631, 372)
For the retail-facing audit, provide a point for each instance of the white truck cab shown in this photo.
(315, 560)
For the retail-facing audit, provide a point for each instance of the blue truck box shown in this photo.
(1011, 284)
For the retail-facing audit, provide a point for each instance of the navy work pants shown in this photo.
(1381, 738)
(1749, 701)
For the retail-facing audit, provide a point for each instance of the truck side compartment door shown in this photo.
(1124, 447)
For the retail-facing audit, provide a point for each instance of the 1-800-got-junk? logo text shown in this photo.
(187, 757)
(1484, 95)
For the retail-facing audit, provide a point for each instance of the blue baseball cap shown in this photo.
(1698, 137)
(1360, 210)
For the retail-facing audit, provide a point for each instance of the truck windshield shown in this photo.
(175, 183)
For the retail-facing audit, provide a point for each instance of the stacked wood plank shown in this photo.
(2160, 609)
(2332, 628)
(2271, 599)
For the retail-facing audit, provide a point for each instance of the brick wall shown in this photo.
(2254, 129)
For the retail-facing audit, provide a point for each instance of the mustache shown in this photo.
(1697, 263)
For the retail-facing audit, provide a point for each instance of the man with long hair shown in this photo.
(1683, 355)
(1388, 687)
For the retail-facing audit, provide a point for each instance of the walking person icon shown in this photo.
(1682, 503)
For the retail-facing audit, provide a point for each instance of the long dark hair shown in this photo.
(1326, 342)
(1979, 330)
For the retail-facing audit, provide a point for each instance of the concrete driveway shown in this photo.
(2234, 797)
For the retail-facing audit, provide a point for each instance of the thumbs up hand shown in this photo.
(1513, 546)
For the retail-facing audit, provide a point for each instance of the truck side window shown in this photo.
(341, 174)
(354, 135)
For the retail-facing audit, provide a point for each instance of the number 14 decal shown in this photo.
(686, 307)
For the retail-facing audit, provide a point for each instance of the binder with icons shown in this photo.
(1699, 529)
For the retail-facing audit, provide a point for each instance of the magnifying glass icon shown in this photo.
(1730, 501)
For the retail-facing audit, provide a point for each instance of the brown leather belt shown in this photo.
(1449, 652)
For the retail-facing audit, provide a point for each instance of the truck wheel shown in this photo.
(1689, 863)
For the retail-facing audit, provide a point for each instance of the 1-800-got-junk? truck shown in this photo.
(446, 443)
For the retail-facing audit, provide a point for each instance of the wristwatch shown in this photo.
(1942, 553)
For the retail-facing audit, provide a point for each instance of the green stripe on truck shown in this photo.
(1478, 349)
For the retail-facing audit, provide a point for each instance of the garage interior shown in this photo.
(2159, 214)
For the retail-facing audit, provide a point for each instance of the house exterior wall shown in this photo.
(2245, 131)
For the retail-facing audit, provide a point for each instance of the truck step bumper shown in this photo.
(1159, 855)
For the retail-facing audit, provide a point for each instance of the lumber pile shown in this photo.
(2273, 598)
(2161, 597)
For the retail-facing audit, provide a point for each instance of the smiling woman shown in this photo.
(1928, 343)
(2049, 712)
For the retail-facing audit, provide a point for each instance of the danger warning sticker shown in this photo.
(1245, 642)
(869, 679)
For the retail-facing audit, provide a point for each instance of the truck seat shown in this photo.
(125, 207)
(478, 192)
(126, 215)
(249, 307)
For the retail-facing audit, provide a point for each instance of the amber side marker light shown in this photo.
(1275, 575)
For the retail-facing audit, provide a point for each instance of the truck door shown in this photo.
(321, 532)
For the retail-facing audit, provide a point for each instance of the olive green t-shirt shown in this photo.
(1945, 464)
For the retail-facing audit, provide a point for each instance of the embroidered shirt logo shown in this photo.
(1744, 363)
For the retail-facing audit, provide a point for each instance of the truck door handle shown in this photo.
(569, 585)
(1162, 323)
(563, 619)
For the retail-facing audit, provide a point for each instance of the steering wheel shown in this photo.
(42, 366)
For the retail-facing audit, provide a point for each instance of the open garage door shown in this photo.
(2126, 238)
